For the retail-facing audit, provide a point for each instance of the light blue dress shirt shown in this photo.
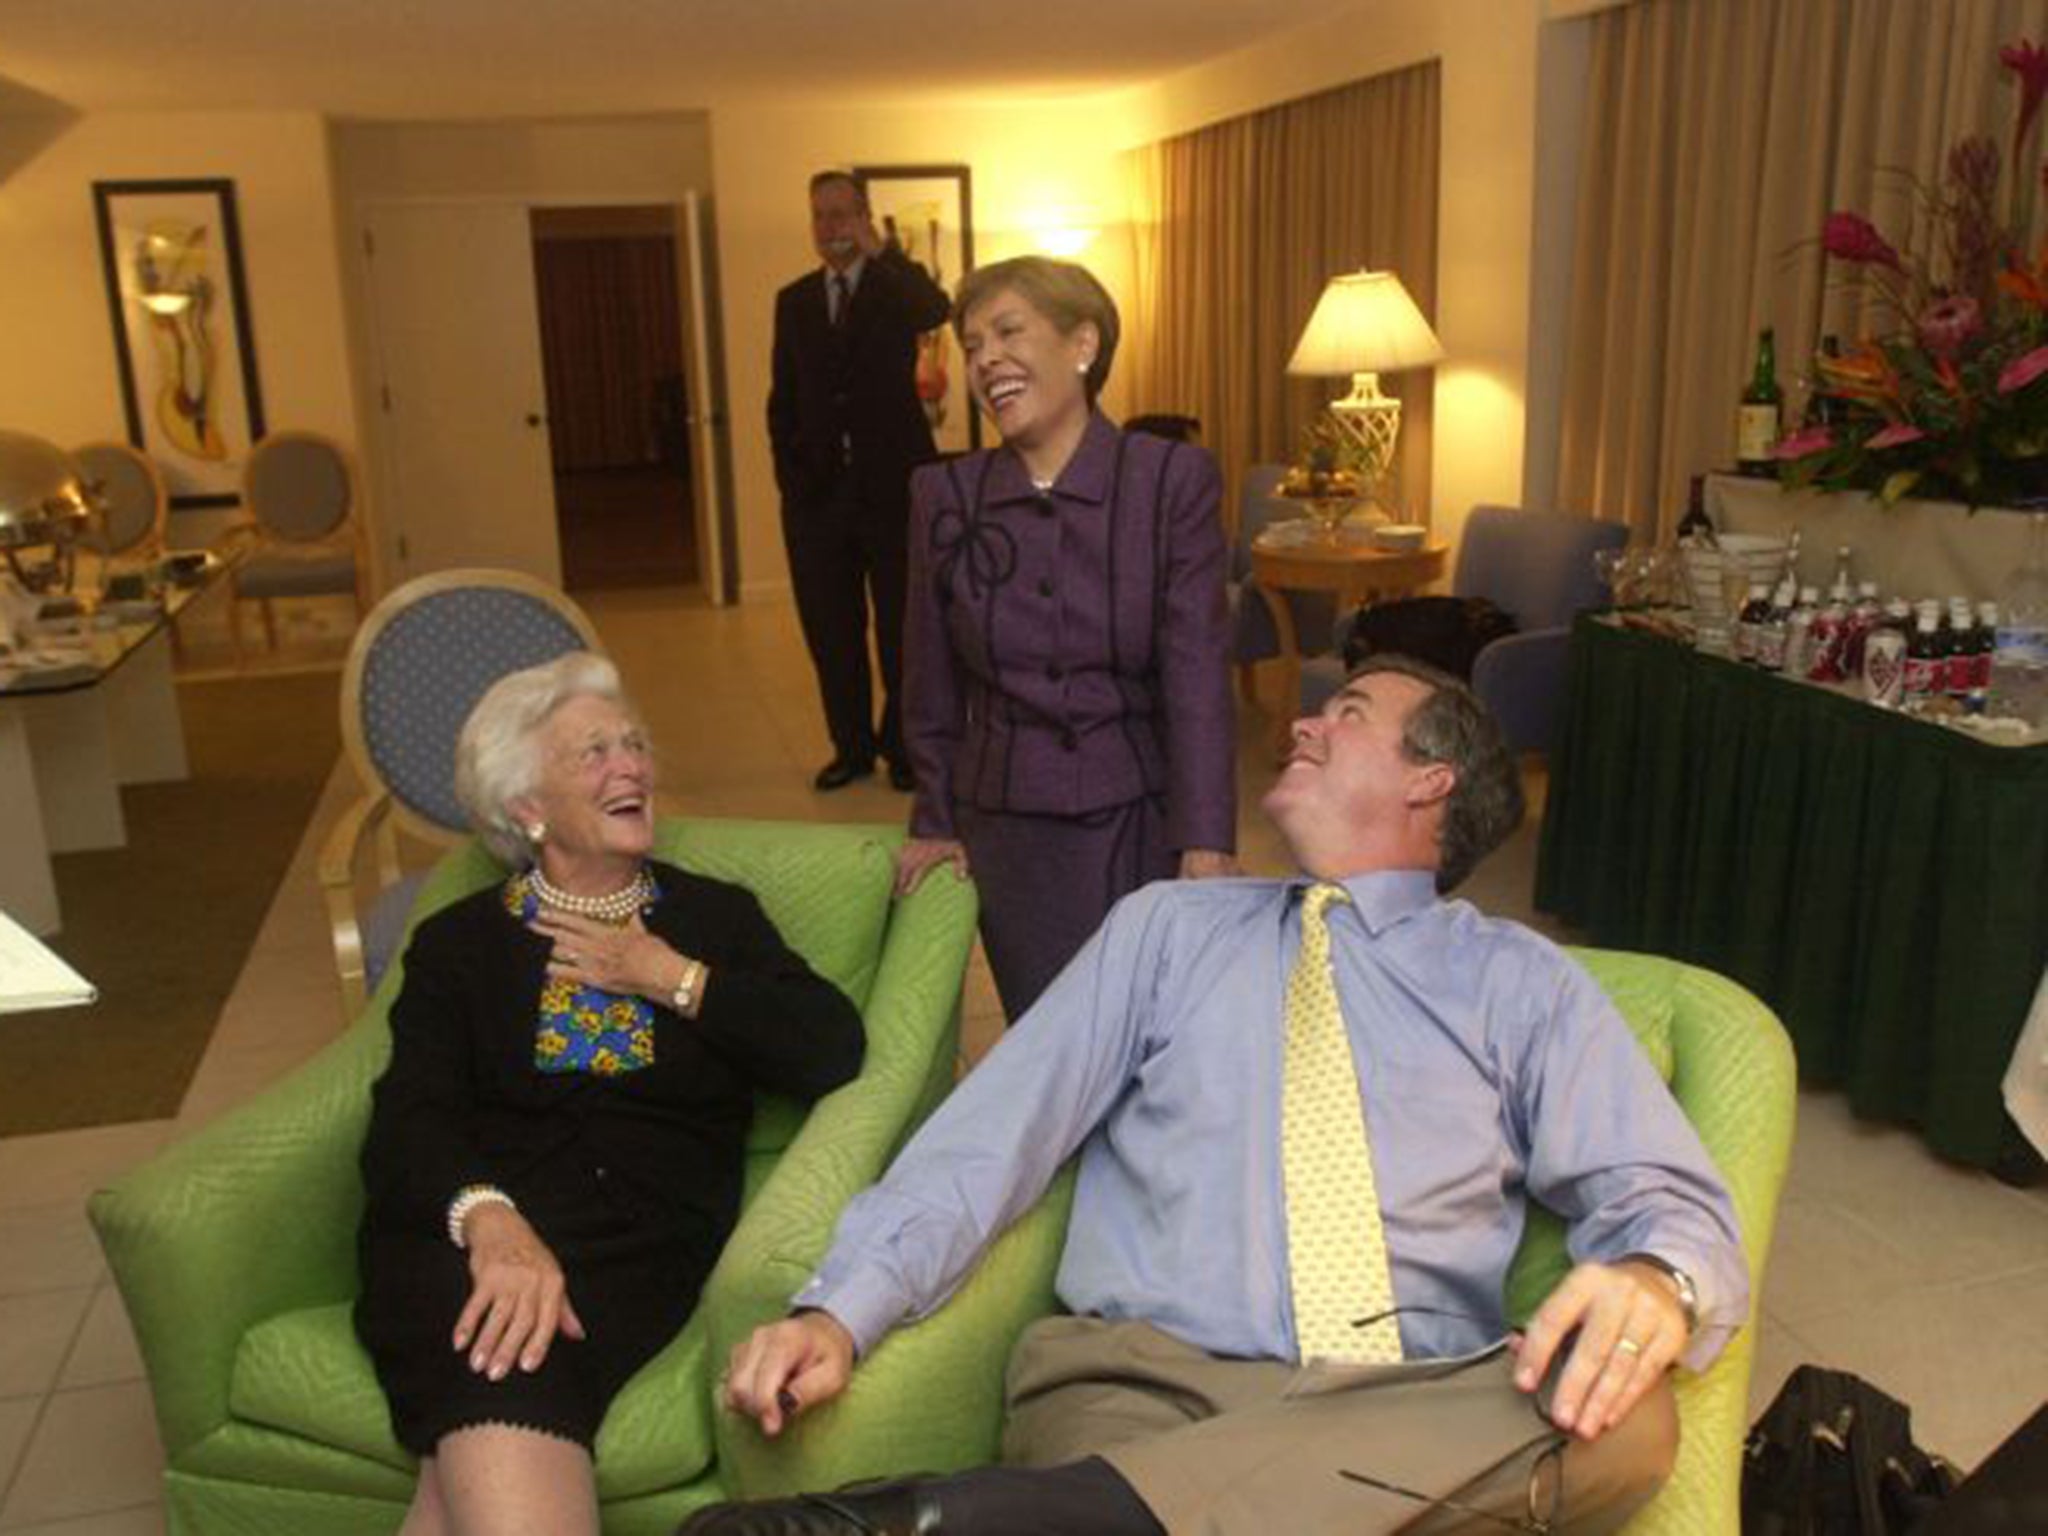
(1493, 1069)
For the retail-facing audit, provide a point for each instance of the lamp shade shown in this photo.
(1364, 322)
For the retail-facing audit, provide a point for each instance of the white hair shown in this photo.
(497, 756)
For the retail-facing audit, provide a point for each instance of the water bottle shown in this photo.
(2019, 656)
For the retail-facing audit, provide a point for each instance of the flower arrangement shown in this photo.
(1952, 403)
(1332, 464)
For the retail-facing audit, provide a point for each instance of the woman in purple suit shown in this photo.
(1066, 680)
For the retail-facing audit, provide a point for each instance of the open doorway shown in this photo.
(617, 395)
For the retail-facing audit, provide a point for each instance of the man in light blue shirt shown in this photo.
(1491, 1069)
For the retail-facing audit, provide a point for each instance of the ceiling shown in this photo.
(423, 59)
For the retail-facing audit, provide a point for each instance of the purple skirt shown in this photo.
(1047, 882)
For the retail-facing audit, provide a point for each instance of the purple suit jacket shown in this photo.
(1068, 652)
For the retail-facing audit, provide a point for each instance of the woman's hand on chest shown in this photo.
(625, 960)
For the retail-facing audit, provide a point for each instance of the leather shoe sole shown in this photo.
(842, 771)
(887, 1509)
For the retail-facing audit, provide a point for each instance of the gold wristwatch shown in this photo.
(1681, 1283)
(689, 989)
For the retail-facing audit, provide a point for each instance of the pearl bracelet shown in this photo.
(467, 1199)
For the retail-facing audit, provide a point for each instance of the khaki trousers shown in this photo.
(1254, 1448)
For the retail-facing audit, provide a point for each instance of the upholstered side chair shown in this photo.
(1537, 567)
(937, 1385)
(134, 503)
(416, 668)
(300, 529)
(235, 1249)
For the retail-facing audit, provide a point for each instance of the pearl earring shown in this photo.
(1084, 365)
(536, 832)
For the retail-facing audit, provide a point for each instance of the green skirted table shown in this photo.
(1880, 881)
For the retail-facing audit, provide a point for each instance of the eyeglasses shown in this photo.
(1545, 1495)
(1545, 1498)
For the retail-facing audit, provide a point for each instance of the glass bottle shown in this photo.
(1759, 418)
(2019, 656)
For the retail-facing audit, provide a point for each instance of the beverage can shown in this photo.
(1884, 667)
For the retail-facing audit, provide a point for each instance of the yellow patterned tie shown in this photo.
(1336, 1247)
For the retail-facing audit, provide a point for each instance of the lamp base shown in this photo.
(1372, 421)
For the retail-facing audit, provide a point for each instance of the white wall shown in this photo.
(605, 159)
(60, 379)
(642, 159)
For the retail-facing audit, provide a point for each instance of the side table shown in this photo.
(1356, 570)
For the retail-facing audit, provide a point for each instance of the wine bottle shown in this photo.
(1759, 418)
(1696, 527)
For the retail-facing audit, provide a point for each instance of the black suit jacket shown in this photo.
(835, 387)
(463, 1103)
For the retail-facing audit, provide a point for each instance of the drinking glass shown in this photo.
(1606, 571)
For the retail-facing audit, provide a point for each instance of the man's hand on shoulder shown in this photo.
(787, 1368)
(1621, 1327)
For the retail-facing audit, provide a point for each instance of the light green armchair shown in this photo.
(938, 1384)
(235, 1250)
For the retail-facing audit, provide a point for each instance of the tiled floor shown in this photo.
(1926, 1278)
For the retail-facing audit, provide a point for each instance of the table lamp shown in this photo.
(1365, 325)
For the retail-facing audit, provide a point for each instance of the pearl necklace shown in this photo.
(615, 909)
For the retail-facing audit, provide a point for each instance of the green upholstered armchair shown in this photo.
(235, 1249)
(937, 1385)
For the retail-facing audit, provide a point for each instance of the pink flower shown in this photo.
(1851, 237)
(1948, 323)
(2023, 370)
(2029, 61)
(1800, 444)
(1897, 435)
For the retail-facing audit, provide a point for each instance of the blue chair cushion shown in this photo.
(426, 669)
(1538, 566)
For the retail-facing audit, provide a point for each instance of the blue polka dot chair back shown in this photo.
(419, 664)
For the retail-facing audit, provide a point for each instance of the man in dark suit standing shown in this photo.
(847, 428)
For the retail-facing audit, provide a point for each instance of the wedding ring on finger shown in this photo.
(1627, 1346)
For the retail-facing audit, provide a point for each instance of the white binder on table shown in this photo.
(31, 976)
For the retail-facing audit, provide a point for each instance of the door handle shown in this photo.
(533, 418)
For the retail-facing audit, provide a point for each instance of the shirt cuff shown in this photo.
(866, 1306)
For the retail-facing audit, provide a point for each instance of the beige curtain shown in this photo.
(1239, 226)
(1718, 136)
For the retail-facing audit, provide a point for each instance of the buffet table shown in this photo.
(81, 714)
(1880, 881)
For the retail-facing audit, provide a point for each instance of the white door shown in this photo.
(462, 429)
(710, 444)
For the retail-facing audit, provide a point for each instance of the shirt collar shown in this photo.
(854, 268)
(1086, 477)
(1386, 897)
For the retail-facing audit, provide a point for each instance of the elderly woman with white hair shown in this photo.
(554, 1154)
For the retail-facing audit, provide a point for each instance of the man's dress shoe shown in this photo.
(842, 771)
(886, 1509)
(900, 776)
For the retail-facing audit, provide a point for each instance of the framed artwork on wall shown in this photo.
(171, 252)
(929, 211)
